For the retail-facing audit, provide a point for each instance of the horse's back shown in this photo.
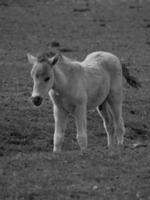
(101, 59)
(106, 62)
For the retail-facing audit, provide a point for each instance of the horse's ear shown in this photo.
(31, 59)
(54, 59)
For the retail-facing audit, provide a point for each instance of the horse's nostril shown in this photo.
(36, 100)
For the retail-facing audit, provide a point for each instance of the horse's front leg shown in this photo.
(60, 117)
(81, 124)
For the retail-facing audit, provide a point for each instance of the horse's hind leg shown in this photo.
(115, 103)
(105, 113)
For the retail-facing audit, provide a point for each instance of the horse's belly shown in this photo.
(97, 87)
(98, 97)
(94, 102)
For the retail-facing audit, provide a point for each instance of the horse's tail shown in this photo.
(129, 78)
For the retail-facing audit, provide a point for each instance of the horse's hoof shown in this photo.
(83, 153)
(56, 154)
(116, 151)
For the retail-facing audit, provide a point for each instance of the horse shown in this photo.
(77, 86)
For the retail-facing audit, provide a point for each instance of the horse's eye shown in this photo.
(46, 79)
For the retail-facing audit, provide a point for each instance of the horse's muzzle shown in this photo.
(36, 100)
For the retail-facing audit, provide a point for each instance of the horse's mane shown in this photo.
(43, 57)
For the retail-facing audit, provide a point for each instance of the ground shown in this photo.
(28, 168)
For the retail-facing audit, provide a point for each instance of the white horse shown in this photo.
(75, 87)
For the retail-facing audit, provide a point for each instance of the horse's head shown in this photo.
(42, 75)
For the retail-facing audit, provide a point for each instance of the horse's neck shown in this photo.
(61, 74)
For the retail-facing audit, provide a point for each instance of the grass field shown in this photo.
(28, 168)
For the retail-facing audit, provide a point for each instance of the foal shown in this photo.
(75, 87)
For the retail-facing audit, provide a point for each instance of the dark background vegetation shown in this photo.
(28, 169)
